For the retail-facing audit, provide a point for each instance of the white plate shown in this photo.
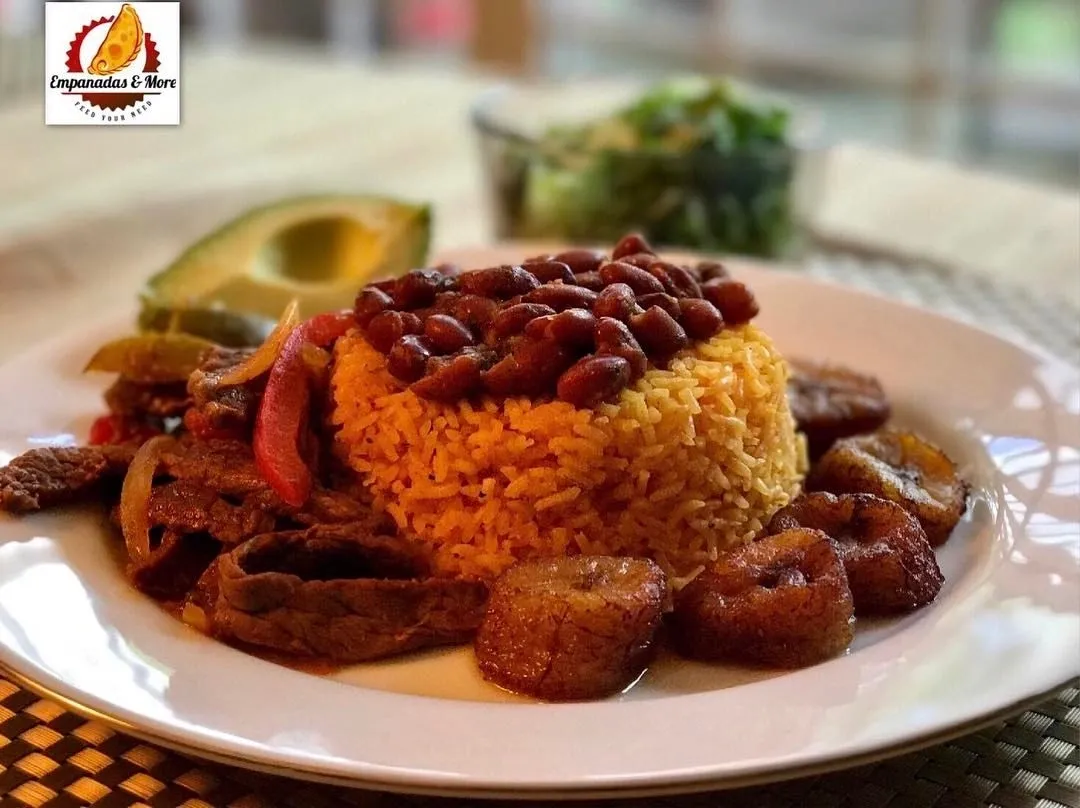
(1005, 630)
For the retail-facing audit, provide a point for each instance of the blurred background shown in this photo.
(990, 83)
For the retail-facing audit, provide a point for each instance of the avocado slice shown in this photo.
(317, 249)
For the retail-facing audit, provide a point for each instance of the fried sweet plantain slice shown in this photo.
(890, 565)
(782, 602)
(565, 629)
(901, 467)
(830, 402)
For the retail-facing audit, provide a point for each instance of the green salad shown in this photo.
(694, 163)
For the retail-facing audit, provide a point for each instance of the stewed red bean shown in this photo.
(640, 260)
(577, 324)
(512, 320)
(561, 296)
(418, 288)
(446, 334)
(613, 338)
(450, 378)
(581, 260)
(734, 299)
(388, 327)
(709, 270)
(548, 271)
(629, 245)
(677, 280)
(658, 332)
(369, 302)
(475, 311)
(499, 283)
(700, 318)
(593, 379)
(664, 301)
(618, 301)
(590, 280)
(408, 358)
(573, 329)
(635, 277)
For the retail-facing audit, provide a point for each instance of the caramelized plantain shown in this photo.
(782, 601)
(831, 402)
(565, 629)
(890, 565)
(901, 467)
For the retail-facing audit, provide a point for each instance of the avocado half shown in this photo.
(317, 249)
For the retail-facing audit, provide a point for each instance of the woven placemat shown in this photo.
(52, 758)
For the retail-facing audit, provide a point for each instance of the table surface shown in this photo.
(86, 213)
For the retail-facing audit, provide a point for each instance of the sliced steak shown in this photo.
(47, 477)
(227, 467)
(175, 565)
(341, 593)
(133, 399)
(213, 487)
(190, 507)
(220, 407)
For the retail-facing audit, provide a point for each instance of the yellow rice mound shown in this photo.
(687, 462)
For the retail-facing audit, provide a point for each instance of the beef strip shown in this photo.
(227, 467)
(213, 487)
(47, 477)
(175, 565)
(189, 507)
(134, 399)
(341, 593)
(224, 407)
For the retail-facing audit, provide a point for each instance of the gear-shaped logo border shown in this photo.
(110, 101)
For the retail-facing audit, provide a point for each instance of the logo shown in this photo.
(112, 64)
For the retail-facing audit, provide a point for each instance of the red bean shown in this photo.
(498, 282)
(561, 296)
(710, 270)
(734, 299)
(581, 260)
(677, 280)
(700, 318)
(387, 328)
(504, 378)
(450, 378)
(613, 338)
(541, 362)
(475, 311)
(640, 260)
(635, 277)
(573, 329)
(658, 333)
(417, 289)
(369, 302)
(594, 379)
(590, 280)
(548, 271)
(446, 334)
(629, 245)
(538, 328)
(618, 301)
(408, 358)
(513, 319)
(664, 301)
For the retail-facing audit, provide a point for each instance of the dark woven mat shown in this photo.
(51, 758)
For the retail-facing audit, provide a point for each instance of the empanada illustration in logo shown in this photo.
(121, 45)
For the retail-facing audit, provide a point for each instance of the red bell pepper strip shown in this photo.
(285, 408)
(116, 429)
